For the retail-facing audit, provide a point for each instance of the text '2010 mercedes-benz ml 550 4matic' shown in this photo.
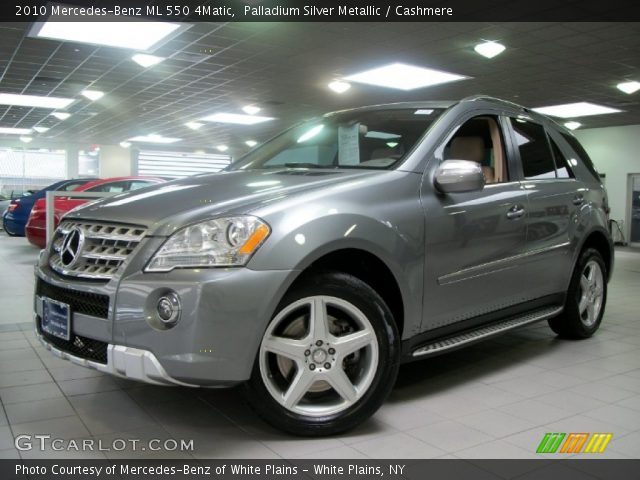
(317, 263)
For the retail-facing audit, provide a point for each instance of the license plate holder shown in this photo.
(56, 318)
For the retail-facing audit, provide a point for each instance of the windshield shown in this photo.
(366, 139)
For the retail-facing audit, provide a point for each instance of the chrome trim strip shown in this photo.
(124, 362)
(486, 332)
(467, 273)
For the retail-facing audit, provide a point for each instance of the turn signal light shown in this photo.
(254, 240)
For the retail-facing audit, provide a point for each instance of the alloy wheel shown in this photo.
(318, 356)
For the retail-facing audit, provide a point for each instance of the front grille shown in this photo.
(78, 346)
(93, 304)
(100, 248)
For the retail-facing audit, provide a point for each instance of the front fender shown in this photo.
(397, 242)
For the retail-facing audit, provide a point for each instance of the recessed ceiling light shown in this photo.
(404, 77)
(572, 125)
(134, 35)
(251, 109)
(92, 95)
(251, 143)
(222, 148)
(41, 129)
(236, 118)
(153, 138)
(145, 60)
(194, 125)
(34, 101)
(339, 86)
(15, 131)
(26, 139)
(574, 110)
(61, 115)
(125, 144)
(629, 87)
(489, 49)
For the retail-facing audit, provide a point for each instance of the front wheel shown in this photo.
(327, 360)
(586, 298)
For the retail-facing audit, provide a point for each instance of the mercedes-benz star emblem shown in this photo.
(71, 247)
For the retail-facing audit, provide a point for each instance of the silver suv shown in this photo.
(315, 265)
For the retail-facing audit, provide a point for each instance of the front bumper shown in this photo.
(224, 314)
(125, 362)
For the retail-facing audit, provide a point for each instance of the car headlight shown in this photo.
(222, 242)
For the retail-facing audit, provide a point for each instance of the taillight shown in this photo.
(13, 206)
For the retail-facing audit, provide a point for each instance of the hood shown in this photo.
(166, 207)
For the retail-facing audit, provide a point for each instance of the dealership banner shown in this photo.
(320, 10)
(574, 469)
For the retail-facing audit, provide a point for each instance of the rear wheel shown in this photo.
(586, 298)
(9, 232)
(327, 360)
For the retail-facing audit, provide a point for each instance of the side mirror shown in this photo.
(458, 176)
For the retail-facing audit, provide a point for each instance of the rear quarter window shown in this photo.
(582, 155)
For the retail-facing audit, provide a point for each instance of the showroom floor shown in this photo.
(494, 400)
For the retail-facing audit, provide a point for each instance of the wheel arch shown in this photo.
(600, 240)
(366, 266)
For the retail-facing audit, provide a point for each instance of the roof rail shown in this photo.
(473, 98)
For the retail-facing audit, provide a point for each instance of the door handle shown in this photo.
(578, 199)
(515, 212)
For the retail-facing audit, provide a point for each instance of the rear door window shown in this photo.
(136, 184)
(112, 187)
(535, 154)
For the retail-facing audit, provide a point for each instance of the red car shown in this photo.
(36, 229)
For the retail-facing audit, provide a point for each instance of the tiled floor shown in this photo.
(493, 400)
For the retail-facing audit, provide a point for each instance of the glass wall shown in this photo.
(178, 164)
(30, 169)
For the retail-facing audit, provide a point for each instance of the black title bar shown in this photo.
(320, 10)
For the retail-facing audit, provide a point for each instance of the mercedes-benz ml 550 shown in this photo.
(316, 264)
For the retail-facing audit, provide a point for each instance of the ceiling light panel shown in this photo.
(154, 139)
(251, 109)
(575, 110)
(194, 125)
(404, 77)
(629, 87)
(15, 131)
(339, 86)
(41, 129)
(34, 101)
(146, 61)
(236, 118)
(572, 125)
(489, 49)
(61, 115)
(133, 35)
(92, 95)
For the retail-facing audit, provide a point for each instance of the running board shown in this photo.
(482, 333)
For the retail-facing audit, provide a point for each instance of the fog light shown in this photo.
(168, 308)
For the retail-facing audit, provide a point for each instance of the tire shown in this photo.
(9, 232)
(586, 298)
(363, 366)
